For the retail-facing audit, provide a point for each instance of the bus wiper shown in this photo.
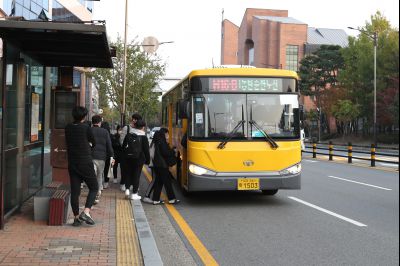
(222, 144)
(268, 138)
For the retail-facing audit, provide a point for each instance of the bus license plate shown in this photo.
(248, 184)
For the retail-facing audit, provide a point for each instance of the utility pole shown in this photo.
(125, 52)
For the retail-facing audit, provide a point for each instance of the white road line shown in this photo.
(388, 164)
(328, 212)
(365, 184)
(309, 161)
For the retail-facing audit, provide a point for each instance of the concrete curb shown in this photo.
(150, 253)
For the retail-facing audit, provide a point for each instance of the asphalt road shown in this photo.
(343, 215)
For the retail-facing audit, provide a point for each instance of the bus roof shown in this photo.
(243, 71)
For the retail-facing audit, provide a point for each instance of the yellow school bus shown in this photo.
(240, 128)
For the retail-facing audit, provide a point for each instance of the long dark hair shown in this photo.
(159, 136)
(106, 126)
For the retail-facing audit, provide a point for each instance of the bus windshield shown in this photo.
(215, 116)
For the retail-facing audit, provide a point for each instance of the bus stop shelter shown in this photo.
(51, 44)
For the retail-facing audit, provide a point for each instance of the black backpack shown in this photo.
(132, 145)
(115, 141)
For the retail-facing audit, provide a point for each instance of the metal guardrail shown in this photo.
(350, 151)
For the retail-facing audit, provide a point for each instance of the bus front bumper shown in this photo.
(230, 182)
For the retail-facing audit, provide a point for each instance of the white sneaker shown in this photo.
(122, 187)
(135, 196)
(105, 185)
(115, 181)
(147, 200)
(127, 193)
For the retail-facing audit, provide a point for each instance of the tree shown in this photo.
(143, 72)
(318, 73)
(345, 112)
(357, 77)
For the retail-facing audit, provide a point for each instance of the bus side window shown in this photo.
(178, 121)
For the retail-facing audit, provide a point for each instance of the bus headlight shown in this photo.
(198, 170)
(292, 170)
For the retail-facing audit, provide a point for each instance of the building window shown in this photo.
(7, 6)
(251, 56)
(292, 57)
(60, 13)
(77, 79)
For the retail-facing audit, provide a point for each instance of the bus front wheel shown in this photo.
(270, 192)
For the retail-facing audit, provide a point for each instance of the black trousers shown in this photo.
(162, 178)
(150, 187)
(123, 170)
(79, 172)
(106, 169)
(115, 168)
(133, 172)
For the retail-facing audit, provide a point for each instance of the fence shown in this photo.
(372, 153)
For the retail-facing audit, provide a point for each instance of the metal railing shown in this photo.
(331, 152)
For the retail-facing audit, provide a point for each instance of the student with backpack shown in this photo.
(136, 151)
(124, 131)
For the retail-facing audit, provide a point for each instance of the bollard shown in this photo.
(330, 151)
(373, 150)
(350, 153)
(314, 150)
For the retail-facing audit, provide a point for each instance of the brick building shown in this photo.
(271, 39)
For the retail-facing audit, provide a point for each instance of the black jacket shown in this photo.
(116, 144)
(77, 137)
(103, 149)
(163, 154)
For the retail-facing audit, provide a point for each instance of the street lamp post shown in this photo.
(125, 52)
(374, 37)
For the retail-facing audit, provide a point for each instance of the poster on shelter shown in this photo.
(35, 117)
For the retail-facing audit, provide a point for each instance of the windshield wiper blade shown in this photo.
(222, 144)
(267, 137)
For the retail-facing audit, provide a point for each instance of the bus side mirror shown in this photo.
(183, 109)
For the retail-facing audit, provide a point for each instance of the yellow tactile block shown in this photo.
(128, 247)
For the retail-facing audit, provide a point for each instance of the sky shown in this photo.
(194, 27)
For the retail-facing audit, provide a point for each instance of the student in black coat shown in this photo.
(134, 165)
(80, 141)
(164, 157)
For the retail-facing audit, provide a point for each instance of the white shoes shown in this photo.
(127, 193)
(135, 196)
(115, 181)
(105, 185)
(122, 187)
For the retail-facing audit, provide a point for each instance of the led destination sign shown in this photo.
(238, 84)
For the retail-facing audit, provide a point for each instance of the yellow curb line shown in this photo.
(197, 245)
(128, 249)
